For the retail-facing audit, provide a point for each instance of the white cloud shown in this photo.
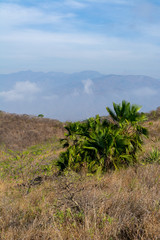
(146, 91)
(21, 91)
(121, 2)
(26, 87)
(151, 30)
(88, 86)
(13, 15)
(41, 37)
(53, 38)
(50, 97)
(75, 93)
(75, 4)
(76, 51)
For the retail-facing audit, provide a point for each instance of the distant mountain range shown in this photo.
(74, 96)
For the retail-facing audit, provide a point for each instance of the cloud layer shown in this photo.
(74, 96)
(21, 91)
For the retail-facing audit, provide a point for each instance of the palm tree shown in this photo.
(126, 112)
(128, 118)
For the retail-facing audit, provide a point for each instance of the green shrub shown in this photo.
(99, 145)
(40, 115)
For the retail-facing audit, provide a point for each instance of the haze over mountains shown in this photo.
(74, 96)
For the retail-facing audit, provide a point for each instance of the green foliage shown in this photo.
(126, 112)
(40, 115)
(153, 156)
(37, 160)
(99, 145)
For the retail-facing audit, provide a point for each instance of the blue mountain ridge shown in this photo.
(78, 95)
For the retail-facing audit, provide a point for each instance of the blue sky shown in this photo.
(110, 36)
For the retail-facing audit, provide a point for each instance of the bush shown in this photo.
(40, 115)
(97, 145)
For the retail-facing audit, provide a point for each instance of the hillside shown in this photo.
(37, 203)
(17, 132)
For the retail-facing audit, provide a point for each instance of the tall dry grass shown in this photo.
(119, 205)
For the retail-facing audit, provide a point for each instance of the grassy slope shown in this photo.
(18, 132)
(36, 204)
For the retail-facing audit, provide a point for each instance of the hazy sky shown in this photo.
(110, 36)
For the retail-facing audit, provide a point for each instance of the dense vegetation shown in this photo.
(98, 145)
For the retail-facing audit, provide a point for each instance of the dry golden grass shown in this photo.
(36, 203)
(18, 132)
(119, 205)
